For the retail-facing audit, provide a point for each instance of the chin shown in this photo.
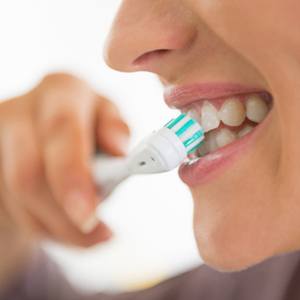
(227, 250)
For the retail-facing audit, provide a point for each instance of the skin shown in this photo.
(48, 137)
(245, 214)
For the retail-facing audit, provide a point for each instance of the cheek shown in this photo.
(236, 239)
(234, 229)
(238, 217)
(244, 24)
(252, 212)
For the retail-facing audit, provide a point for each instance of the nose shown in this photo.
(145, 32)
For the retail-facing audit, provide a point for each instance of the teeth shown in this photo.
(194, 114)
(211, 142)
(216, 139)
(224, 137)
(203, 150)
(257, 109)
(245, 130)
(219, 138)
(209, 117)
(232, 112)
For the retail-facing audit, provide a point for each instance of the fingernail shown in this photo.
(77, 208)
(90, 224)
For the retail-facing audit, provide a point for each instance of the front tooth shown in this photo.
(245, 130)
(232, 112)
(211, 142)
(194, 114)
(209, 117)
(224, 137)
(257, 108)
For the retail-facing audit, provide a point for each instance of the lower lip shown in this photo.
(211, 165)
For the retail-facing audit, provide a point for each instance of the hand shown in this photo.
(47, 140)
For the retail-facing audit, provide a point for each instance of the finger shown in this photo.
(59, 227)
(112, 132)
(27, 193)
(17, 217)
(66, 143)
(51, 222)
(14, 171)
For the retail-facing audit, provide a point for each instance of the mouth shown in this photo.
(232, 117)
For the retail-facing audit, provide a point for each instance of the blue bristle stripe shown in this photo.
(174, 122)
(185, 127)
(197, 136)
(169, 123)
(196, 147)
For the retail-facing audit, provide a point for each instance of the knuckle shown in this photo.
(57, 85)
(60, 78)
(57, 122)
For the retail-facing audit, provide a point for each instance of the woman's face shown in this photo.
(236, 66)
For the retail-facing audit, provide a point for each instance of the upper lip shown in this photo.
(182, 96)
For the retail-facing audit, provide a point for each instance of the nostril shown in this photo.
(148, 56)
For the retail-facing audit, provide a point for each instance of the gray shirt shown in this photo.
(275, 279)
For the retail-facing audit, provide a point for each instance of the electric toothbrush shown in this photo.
(162, 151)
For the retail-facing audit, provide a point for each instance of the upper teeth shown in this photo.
(209, 117)
(232, 113)
(257, 109)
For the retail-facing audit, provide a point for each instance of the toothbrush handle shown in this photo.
(108, 172)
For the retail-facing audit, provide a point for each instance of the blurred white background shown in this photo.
(151, 216)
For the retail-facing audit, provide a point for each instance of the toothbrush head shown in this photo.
(167, 148)
(188, 131)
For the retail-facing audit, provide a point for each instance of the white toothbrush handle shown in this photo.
(160, 152)
(108, 172)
